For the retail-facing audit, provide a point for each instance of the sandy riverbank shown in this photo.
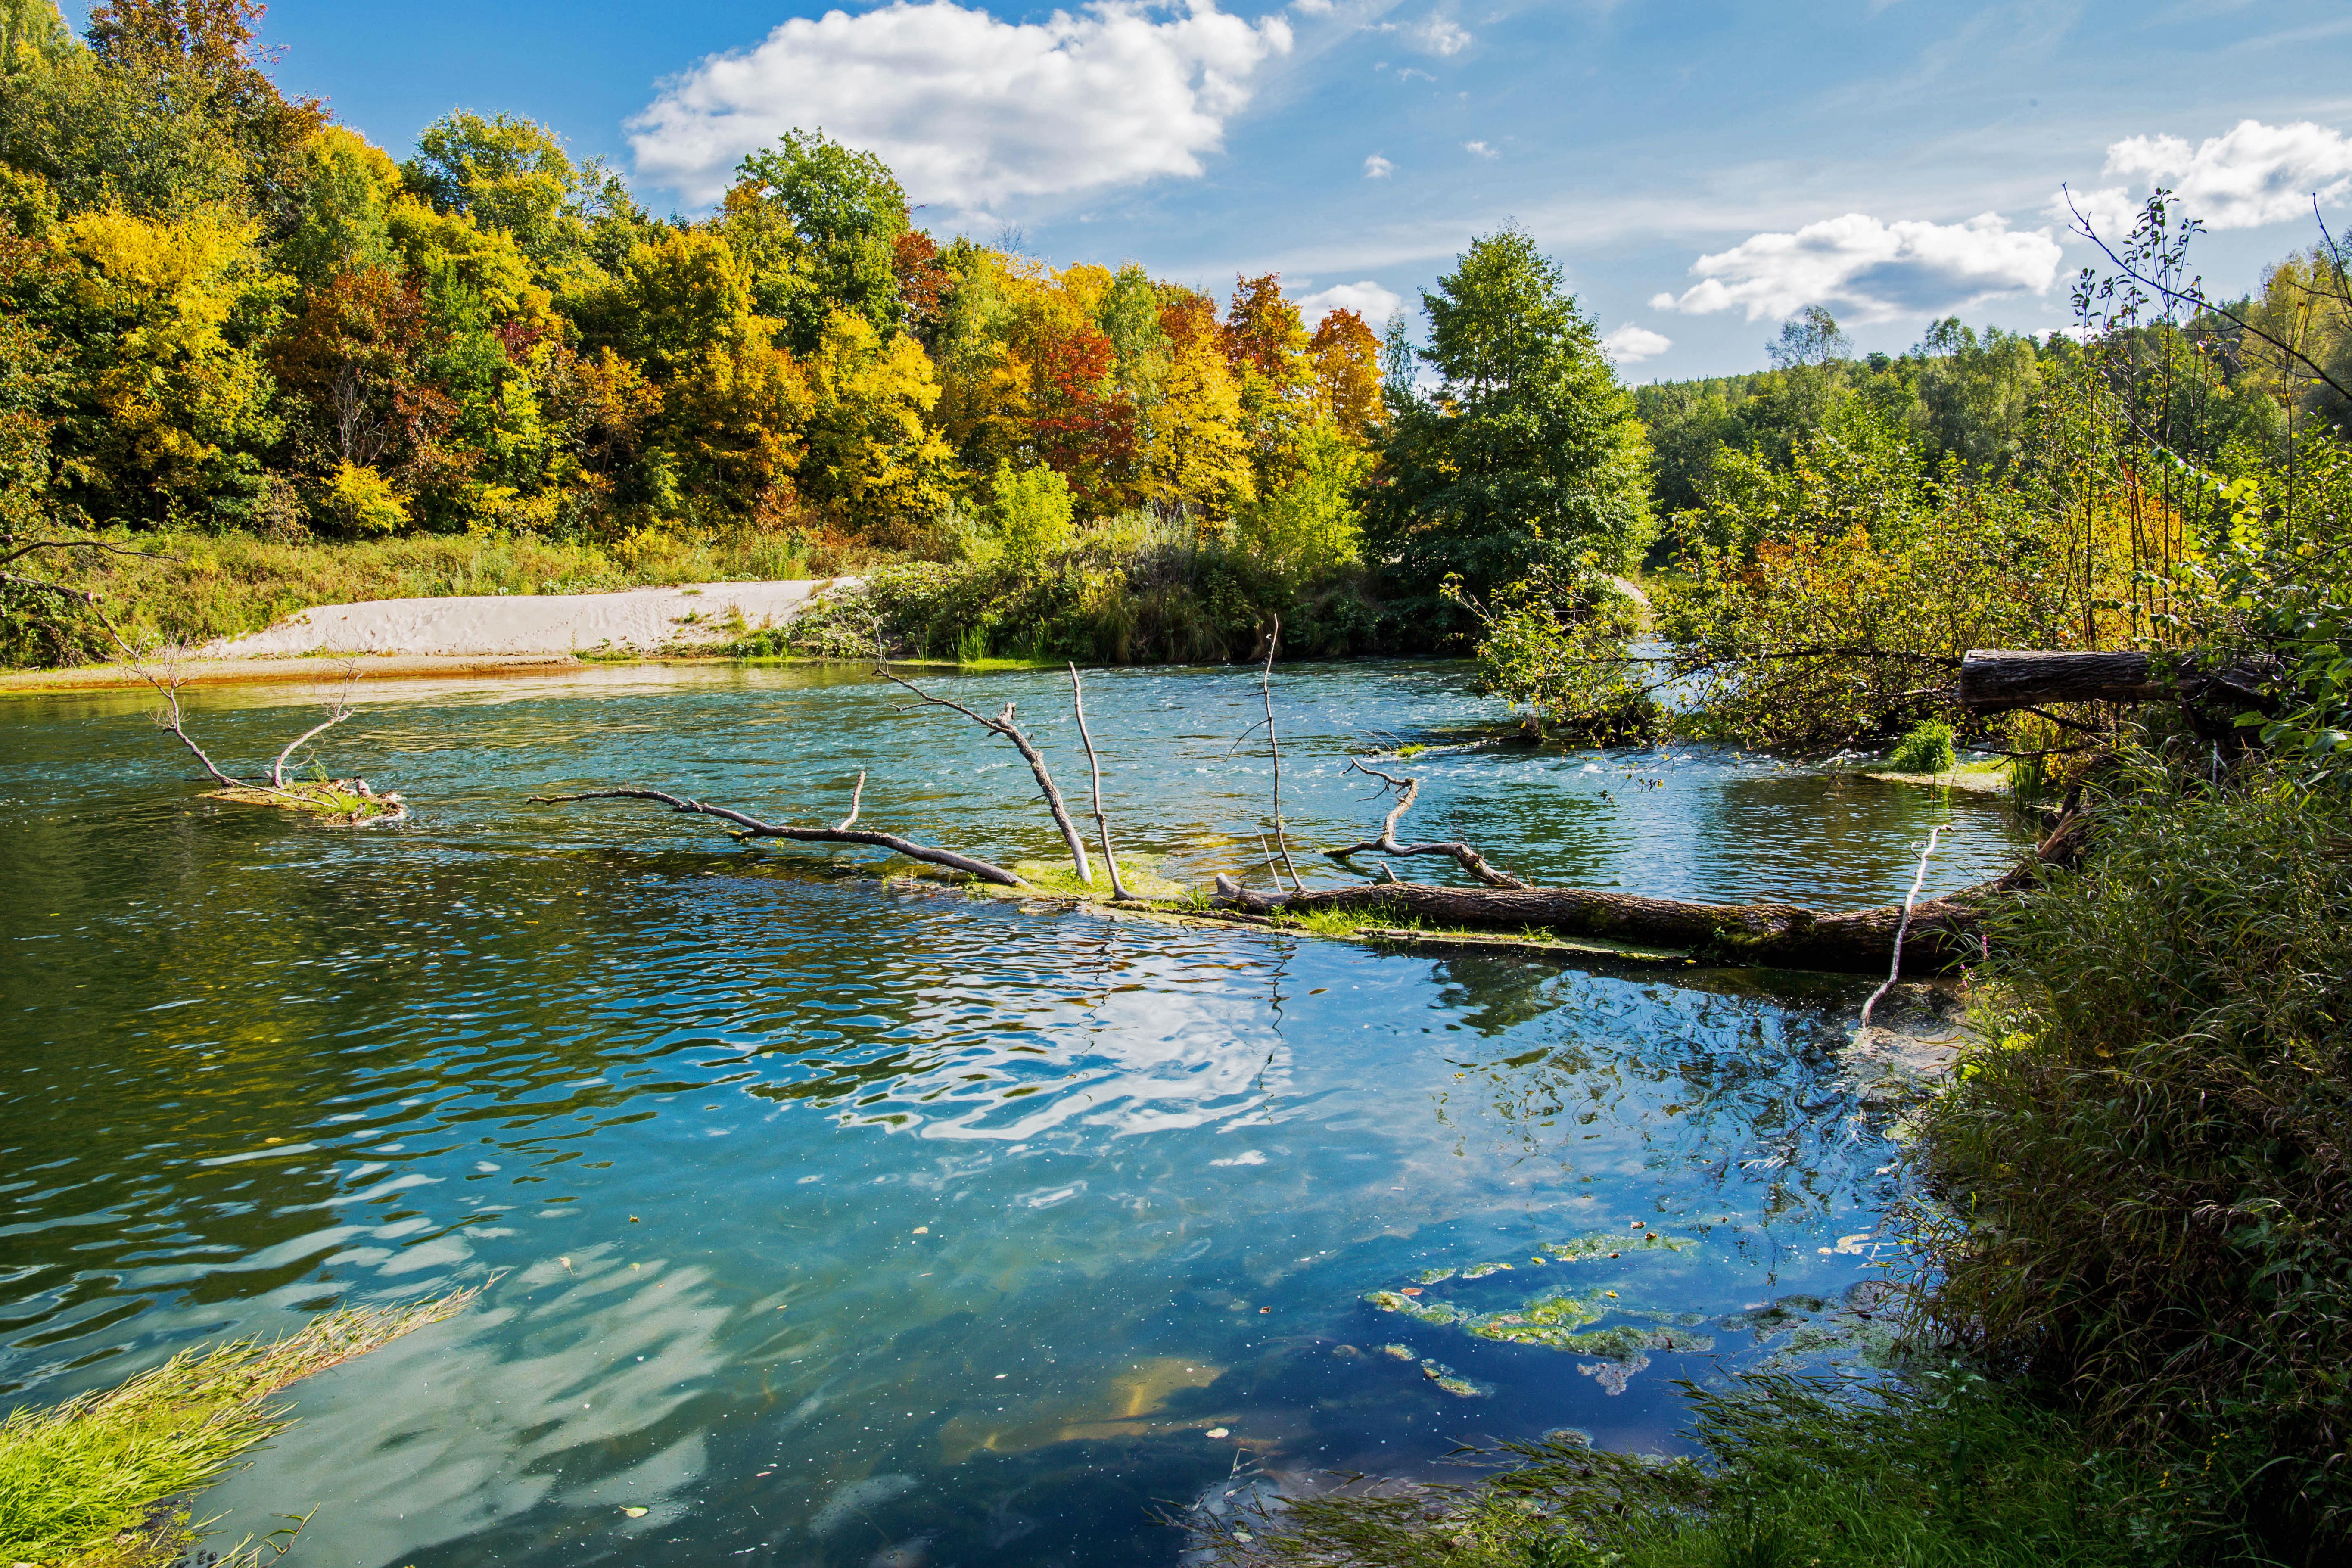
(462, 635)
(632, 620)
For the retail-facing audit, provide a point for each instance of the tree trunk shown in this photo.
(1785, 936)
(1994, 679)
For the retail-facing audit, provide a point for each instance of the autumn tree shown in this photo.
(1346, 355)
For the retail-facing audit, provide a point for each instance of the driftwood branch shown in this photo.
(1903, 927)
(750, 827)
(1102, 823)
(1274, 744)
(338, 708)
(1408, 790)
(1003, 724)
(167, 682)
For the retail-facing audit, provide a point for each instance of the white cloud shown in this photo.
(2252, 175)
(1366, 299)
(1481, 149)
(1377, 167)
(1870, 270)
(968, 110)
(1630, 344)
(1440, 35)
(1312, 8)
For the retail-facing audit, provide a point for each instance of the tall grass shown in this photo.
(100, 1481)
(2150, 1163)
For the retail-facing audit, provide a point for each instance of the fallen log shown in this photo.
(1944, 931)
(1994, 680)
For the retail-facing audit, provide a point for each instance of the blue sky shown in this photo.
(1700, 169)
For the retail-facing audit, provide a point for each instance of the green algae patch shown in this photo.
(1419, 1311)
(1608, 1244)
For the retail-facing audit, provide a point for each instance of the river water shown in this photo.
(829, 1221)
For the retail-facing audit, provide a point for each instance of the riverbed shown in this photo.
(829, 1220)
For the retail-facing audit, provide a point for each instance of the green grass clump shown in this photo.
(1794, 1473)
(98, 1482)
(1927, 749)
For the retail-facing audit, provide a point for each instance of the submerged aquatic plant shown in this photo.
(1949, 1470)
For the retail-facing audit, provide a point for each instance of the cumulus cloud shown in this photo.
(969, 111)
(1377, 167)
(1480, 149)
(1869, 271)
(2252, 174)
(1366, 299)
(1630, 344)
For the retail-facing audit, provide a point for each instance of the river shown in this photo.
(829, 1221)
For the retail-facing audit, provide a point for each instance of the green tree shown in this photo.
(573, 220)
(848, 209)
(1528, 454)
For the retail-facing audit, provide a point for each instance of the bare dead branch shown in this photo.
(750, 827)
(14, 549)
(167, 685)
(338, 708)
(1274, 744)
(855, 795)
(1102, 823)
(1409, 789)
(1003, 724)
(2195, 296)
(1902, 928)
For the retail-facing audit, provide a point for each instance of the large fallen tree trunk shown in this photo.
(1939, 934)
(1943, 931)
(1997, 681)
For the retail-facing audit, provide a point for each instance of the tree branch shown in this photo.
(1469, 859)
(1003, 724)
(1274, 744)
(752, 828)
(1102, 823)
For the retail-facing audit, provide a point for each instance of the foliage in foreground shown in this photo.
(2149, 1157)
(1793, 1474)
(98, 1482)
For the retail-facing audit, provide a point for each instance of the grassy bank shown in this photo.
(223, 584)
(104, 1480)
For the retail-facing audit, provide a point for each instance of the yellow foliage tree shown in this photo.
(1197, 461)
(873, 462)
(169, 399)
